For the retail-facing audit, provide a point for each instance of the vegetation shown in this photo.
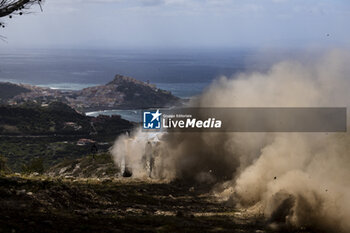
(43, 204)
(35, 120)
(19, 151)
(35, 165)
(4, 169)
(56, 118)
(51, 133)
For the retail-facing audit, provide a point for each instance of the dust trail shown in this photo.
(294, 179)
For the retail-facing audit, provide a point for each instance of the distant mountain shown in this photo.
(10, 90)
(121, 93)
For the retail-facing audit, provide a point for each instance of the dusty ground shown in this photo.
(42, 204)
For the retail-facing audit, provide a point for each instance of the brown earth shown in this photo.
(44, 204)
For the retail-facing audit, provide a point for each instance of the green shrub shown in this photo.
(3, 166)
(35, 165)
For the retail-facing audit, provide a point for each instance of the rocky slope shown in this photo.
(91, 166)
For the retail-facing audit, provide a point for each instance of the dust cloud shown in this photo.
(293, 179)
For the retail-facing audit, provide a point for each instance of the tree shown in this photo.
(16, 7)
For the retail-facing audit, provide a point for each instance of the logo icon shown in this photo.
(152, 120)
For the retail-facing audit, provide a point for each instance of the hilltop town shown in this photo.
(121, 93)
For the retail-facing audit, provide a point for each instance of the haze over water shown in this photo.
(184, 72)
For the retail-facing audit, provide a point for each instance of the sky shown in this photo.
(180, 24)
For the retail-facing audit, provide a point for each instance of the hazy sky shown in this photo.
(181, 23)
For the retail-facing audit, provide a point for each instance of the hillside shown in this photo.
(97, 166)
(121, 93)
(43, 204)
(56, 118)
(124, 92)
(36, 120)
(53, 133)
(10, 90)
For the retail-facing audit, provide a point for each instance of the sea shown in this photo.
(184, 72)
